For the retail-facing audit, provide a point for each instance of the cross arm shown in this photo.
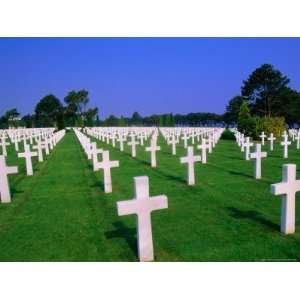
(159, 202)
(126, 207)
(279, 188)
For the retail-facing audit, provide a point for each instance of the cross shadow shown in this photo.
(169, 176)
(252, 215)
(122, 231)
(14, 191)
(240, 174)
(231, 171)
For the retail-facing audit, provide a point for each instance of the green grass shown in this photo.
(62, 213)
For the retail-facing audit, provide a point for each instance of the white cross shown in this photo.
(94, 153)
(16, 144)
(247, 146)
(209, 144)
(133, 144)
(285, 144)
(271, 139)
(27, 154)
(173, 142)
(287, 188)
(297, 138)
(4, 144)
(263, 136)
(39, 148)
(4, 185)
(190, 159)
(193, 137)
(113, 139)
(106, 165)
(142, 205)
(153, 148)
(185, 139)
(121, 139)
(45, 146)
(258, 155)
(203, 148)
(142, 139)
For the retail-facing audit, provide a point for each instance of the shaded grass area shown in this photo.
(62, 213)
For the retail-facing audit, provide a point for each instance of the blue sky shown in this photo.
(148, 75)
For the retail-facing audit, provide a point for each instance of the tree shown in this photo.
(233, 109)
(246, 124)
(262, 89)
(11, 117)
(76, 104)
(47, 111)
(136, 119)
(122, 122)
(77, 100)
(28, 121)
(90, 116)
(111, 121)
(287, 105)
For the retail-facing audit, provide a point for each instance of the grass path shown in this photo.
(62, 214)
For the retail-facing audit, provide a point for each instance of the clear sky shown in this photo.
(148, 75)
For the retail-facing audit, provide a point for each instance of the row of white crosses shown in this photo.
(5, 170)
(245, 144)
(92, 152)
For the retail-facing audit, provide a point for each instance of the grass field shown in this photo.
(62, 213)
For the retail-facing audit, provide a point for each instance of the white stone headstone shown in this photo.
(287, 188)
(4, 184)
(106, 165)
(203, 148)
(152, 149)
(27, 154)
(247, 146)
(190, 160)
(258, 155)
(142, 205)
(271, 139)
(285, 145)
(263, 136)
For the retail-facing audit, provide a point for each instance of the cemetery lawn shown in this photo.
(62, 214)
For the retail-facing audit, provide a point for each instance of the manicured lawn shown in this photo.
(62, 214)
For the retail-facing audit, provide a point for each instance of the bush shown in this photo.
(227, 135)
(268, 125)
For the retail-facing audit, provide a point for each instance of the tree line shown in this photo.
(266, 93)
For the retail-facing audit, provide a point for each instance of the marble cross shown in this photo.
(297, 138)
(287, 188)
(258, 155)
(142, 205)
(190, 160)
(203, 148)
(94, 152)
(39, 148)
(106, 165)
(121, 140)
(263, 136)
(152, 149)
(4, 184)
(173, 142)
(247, 146)
(185, 139)
(27, 154)
(271, 139)
(133, 144)
(4, 144)
(285, 144)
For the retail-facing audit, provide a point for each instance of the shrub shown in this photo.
(227, 135)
